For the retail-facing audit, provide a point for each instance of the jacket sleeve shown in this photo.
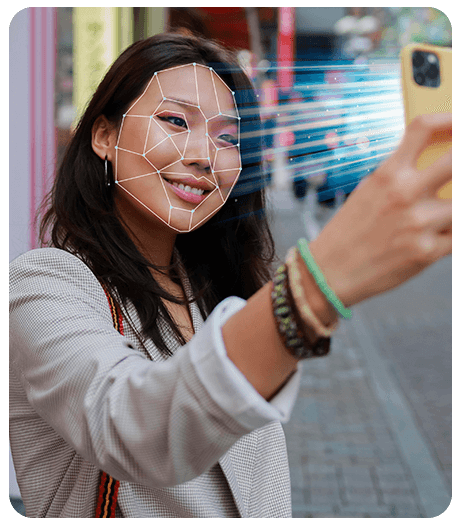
(154, 423)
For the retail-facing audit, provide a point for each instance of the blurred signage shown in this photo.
(226, 24)
(100, 34)
(286, 37)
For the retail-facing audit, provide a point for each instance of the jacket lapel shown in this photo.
(228, 461)
(226, 464)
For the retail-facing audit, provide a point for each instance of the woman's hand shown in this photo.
(392, 226)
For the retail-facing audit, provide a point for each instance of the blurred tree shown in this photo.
(414, 24)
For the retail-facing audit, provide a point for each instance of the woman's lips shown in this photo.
(187, 196)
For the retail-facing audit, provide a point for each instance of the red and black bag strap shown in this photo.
(107, 496)
(108, 486)
(115, 310)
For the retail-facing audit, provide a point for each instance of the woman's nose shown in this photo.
(198, 150)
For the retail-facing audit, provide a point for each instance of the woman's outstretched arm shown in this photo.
(392, 227)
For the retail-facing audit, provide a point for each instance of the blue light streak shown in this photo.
(340, 120)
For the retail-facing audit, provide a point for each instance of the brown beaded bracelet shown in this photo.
(287, 321)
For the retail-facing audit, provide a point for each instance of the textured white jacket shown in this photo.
(186, 436)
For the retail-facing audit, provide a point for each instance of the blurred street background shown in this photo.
(371, 434)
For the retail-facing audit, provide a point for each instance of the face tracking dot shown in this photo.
(178, 147)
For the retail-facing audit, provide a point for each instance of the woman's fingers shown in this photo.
(433, 215)
(421, 131)
(416, 151)
(436, 175)
(443, 245)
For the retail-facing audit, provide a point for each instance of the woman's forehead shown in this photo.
(195, 85)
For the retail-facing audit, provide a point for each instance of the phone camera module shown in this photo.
(426, 69)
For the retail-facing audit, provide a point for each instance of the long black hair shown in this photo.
(231, 254)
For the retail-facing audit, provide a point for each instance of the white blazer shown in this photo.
(186, 436)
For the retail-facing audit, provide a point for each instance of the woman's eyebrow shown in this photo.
(181, 102)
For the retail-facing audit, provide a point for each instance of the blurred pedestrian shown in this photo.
(361, 31)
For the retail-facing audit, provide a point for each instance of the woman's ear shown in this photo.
(103, 138)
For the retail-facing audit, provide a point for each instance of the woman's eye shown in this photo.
(176, 121)
(229, 138)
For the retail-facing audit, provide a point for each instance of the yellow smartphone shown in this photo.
(426, 76)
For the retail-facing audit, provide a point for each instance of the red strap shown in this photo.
(107, 496)
(108, 486)
(116, 312)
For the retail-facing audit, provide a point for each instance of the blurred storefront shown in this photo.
(89, 40)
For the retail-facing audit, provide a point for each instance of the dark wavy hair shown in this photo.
(231, 254)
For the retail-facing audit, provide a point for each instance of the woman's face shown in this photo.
(177, 156)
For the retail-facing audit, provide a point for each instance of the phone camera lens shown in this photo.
(432, 72)
(419, 78)
(418, 59)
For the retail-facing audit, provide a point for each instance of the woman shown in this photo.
(136, 406)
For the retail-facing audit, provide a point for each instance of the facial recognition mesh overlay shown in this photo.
(178, 147)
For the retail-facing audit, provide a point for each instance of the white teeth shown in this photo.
(188, 189)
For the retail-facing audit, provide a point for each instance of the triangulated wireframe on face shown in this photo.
(178, 147)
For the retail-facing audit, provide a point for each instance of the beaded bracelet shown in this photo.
(292, 337)
(320, 279)
(287, 327)
(297, 290)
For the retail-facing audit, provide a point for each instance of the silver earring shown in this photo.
(107, 178)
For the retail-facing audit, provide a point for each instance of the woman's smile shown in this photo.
(187, 193)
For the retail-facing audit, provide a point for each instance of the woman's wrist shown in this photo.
(255, 346)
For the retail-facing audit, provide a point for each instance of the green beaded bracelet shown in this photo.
(304, 251)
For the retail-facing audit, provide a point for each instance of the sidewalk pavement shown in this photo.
(355, 449)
